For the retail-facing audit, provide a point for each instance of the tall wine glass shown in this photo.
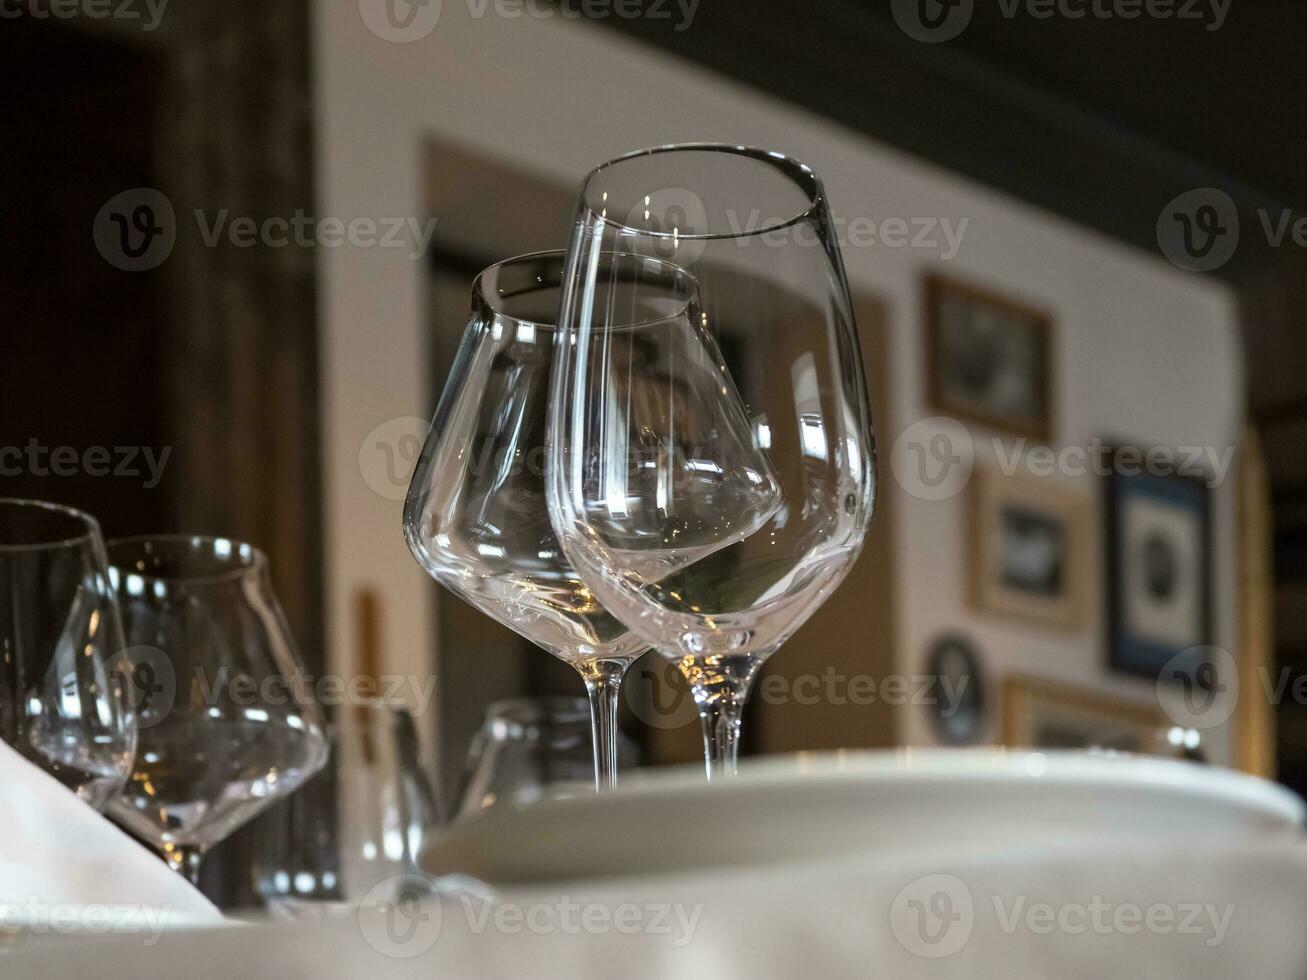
(225, 725)
(61, 700)
(476, 517)
(715, 580)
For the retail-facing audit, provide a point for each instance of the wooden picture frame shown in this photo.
(1154, 569)
(1000, 327)
(1042, 714)
(1032, 550)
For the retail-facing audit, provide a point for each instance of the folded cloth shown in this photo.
(66, 869)
(1029, 913)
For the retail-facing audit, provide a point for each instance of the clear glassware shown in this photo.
(62, 703)
(531, 749)
(225, 725)
(715, 573)
(475, 517)
(356, 826)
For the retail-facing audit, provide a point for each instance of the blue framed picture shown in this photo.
(1159, 571)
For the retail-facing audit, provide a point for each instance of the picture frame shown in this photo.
(959, 702)
(1159, 571)
(1032, 550)
(989, 358)
(1043, 714)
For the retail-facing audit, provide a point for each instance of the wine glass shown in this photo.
(225, 725)
(356, 826)
(62, 702)
(475, 517)
(528, 750)
(715, 578)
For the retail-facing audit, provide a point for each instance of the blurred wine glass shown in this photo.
(476, 518)
(713, 470)
(528, 750)
(224, 727)
(357, 825)
(62, 703)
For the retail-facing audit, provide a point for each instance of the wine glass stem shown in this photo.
(603, 681)
(186, 859)
(720, 685)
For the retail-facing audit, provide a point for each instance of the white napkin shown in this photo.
(65, 869)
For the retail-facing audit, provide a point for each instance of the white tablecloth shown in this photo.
(1232, 912)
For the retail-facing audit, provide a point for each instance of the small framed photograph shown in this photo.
(1159, 571)
(1033, 550)
(1039, 714)
(989, 359)
(959, 695)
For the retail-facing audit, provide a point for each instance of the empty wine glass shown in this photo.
(528, 750)
(476, 517)
(62, 706)
(225, 726)
(715, 573)
(354, 827)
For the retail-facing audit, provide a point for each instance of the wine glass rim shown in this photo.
(480, 285)
(251, 558)
(798, 171)
(90, 533)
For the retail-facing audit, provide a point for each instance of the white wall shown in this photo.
(1144, 351)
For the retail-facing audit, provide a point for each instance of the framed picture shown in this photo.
(989, 359)
(1033, 550)
(1039, 714)
(1159, 572)
(959, 701)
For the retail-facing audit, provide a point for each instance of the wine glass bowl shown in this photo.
(62, 705)
(787, 399)
(224, 729)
